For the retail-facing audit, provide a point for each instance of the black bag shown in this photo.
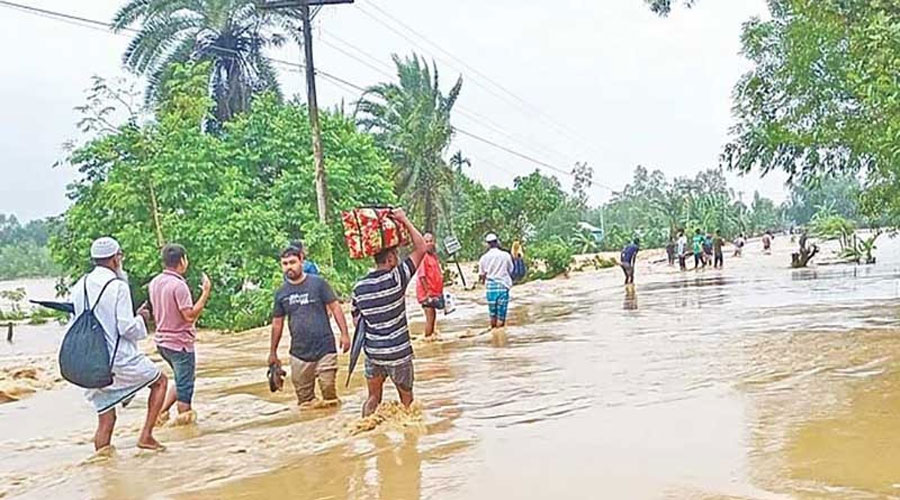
(84, 358)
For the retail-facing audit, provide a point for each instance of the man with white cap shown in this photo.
(106, 290)
(495, 270)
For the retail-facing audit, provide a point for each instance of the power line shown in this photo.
(479, 119)
(60, 16)
(547, 118)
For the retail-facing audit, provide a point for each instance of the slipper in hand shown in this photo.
(276, 377)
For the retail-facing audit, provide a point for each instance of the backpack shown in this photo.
(84, 358)
(519, 269)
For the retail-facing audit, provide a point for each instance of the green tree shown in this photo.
(23, 248)
(823, 96)
(655, 208)
(411, 122)
(233, 199)
(839, 194)
(230, 34)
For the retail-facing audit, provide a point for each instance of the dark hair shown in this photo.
(494, 244)
(294, 249)
(382, 256)
(172, 254)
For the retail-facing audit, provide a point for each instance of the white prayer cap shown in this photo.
(104, 248)
(490, 238)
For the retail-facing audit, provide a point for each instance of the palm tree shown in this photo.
(458, 161)
(411, 121)
(231, 34)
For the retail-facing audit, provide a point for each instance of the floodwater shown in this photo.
(756, 381)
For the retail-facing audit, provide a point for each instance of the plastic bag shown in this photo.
(449, 303)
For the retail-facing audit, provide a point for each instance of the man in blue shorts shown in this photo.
(379, 300)
(495, 271)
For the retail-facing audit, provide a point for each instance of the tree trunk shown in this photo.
(429, 213)
(802, 258)
(154, 209)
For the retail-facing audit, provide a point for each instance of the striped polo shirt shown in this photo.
(380, 298)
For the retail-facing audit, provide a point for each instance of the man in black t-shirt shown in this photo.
(306, 300)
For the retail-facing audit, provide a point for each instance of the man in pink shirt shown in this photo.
(175, 313)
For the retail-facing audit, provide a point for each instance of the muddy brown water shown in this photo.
(756, 381)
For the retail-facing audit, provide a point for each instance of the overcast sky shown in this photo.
(605, 82)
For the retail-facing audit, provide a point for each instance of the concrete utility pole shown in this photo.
(311, 99)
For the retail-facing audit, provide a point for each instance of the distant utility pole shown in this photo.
(311, 100)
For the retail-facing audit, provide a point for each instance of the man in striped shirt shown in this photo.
(379, 300)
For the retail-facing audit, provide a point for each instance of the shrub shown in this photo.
(555, 255)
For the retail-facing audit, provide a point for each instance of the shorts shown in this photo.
(305, 373)
(498, 300)
(403, 375)
(434, 302)
(183, 363)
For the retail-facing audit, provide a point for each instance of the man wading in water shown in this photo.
(430, 286)
(379, 301)
(306, 299)
(495, 270)
(106, 290)
(174, 313)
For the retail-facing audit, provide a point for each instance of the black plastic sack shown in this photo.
(84, 358)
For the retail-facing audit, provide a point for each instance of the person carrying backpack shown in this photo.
(104, 293)
(518, 257)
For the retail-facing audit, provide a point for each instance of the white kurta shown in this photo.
(132, 369)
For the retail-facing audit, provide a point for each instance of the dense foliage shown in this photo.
(654, 209)
(23, 249)
(823, 97)
(534, 210)
(839, 195)
(233, 198)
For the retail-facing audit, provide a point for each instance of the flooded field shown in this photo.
(756, 381)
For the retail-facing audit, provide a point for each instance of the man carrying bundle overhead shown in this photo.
(379, 302)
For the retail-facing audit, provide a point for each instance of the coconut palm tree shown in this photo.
(231, 34)
(410, 119)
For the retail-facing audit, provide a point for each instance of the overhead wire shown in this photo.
(478, 119)
(91, 23)
(564, 130)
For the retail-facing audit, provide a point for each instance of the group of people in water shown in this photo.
(707, 249)
(305, 299)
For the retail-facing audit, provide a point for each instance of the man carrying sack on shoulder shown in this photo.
(105, 291)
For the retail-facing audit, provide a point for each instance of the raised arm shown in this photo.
(419, 246)
(191, 312)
